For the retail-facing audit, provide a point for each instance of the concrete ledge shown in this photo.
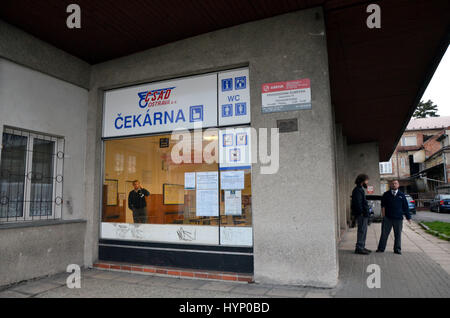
(35, 250)
(40, 223)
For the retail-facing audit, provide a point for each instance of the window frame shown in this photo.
(163, 133)
(404, 144)
(383, 165)
(57, 176)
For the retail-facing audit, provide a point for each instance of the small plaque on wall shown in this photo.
(287, 125)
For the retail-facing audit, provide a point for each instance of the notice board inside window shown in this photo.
(173, 193)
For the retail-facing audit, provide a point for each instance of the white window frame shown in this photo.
(57, 186)
(385, 167)
(405, 144)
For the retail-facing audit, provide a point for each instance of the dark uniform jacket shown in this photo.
(136, 199)
(395, 207)
(360, 206)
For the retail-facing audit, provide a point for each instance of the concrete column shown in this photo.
(364, 158)
(347, 183)
(341, 179)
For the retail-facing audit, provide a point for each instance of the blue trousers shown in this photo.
(362, 222)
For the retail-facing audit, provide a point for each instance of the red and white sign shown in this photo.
(286, 96)
(370, 190)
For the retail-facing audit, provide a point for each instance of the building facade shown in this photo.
(256, 96)
(419, 153)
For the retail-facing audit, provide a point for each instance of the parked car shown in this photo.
(411, 204)
(440, 203)
(374, 201)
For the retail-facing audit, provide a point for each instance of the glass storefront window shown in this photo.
(197, 211)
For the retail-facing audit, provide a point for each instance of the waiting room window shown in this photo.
(386, 167)
(31, 167)
(409, 141)
(172, 201)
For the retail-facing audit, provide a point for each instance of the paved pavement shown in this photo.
(422, 271)
(429, 216)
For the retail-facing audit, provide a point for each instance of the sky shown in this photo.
(439, 88)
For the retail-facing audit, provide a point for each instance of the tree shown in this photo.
(427, 109)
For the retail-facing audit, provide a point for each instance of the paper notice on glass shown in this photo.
(233, 202)
(189, 180)
(207, 180)
(207, 202)
(232, 180)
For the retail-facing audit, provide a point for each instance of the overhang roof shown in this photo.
(377, 75)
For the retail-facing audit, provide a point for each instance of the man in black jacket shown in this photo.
(393, 206)
(137, 204)
(360, 210)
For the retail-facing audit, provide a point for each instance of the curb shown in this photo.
(433, 232)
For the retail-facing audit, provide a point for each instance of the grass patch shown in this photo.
(440, 228)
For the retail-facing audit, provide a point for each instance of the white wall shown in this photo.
(34, 101)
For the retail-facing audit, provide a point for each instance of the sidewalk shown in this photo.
(422, 271)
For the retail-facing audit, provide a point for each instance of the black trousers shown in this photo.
(140, 215)
(386, 227)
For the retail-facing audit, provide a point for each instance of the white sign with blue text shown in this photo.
(234, 97)
(210, 100)
(185, 103)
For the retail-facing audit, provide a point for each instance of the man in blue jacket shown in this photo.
(393, 207)
(360, 210)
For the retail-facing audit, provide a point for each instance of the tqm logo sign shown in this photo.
(156, 97)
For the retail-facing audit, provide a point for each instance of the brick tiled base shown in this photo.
(171, 272)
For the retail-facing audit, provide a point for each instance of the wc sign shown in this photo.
(239, 83)
(234, 97)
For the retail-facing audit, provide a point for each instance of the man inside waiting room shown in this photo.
(137, 203)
